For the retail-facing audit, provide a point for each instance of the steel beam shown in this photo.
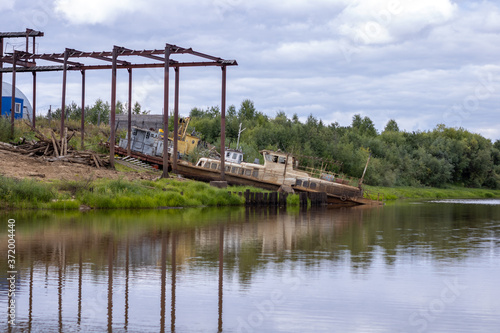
(129, 118)
(165, 111)
(113, 110)
(223, 127)
(63, 106)
(32, 33)
(82, 124)
(13, 102)
(176, 122)
(96, 67)
(33, 122)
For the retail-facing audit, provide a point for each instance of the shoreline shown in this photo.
(171, 193)
(452, 192)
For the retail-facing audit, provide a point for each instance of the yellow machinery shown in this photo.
(186, 143)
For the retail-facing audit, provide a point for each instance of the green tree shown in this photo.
(247, 110)
(391, 126)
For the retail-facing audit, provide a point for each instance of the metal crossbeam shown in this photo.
(107, 56)
(27, 33)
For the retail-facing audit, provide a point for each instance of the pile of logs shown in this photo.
(51, 149)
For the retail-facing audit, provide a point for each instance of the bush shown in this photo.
(15, 191)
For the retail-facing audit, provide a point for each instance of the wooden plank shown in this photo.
(56, 153)
(57, 148)
(95, 161)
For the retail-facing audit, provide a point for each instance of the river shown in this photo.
(407, 267)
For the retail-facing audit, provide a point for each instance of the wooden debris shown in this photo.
(51, 150)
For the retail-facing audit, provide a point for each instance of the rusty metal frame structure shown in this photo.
(24, 61)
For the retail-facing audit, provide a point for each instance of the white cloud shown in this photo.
(6, 4)
(95, 11)
(379, 22)
(418, 61)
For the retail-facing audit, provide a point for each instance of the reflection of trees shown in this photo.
(254, 238)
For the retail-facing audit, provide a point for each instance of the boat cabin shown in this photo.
(233, 156)
(278, 161)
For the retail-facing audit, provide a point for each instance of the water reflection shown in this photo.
(113, 270)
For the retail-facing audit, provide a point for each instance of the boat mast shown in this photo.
(239, 133)
(364, 171)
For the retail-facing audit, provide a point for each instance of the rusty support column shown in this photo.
(82, 124)
(34, 87)
(165, 111)
(33, 123)
(63, 107)
(223, 126)
(113, 109)
(27, 39)
(129, 119)
(176, 121)
(13, 101)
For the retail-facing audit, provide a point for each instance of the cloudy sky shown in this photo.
(421, 63)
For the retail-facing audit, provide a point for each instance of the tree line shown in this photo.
(439, 157)
(97, 113)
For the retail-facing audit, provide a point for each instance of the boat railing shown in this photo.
(321, 184)
(330, 176)
(331, 188)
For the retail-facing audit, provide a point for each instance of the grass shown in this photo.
(155, 194)
(24, 193)
(395, 193)
(124, 194)
(120, 193)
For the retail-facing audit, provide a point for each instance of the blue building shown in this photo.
(7, 104)
(23, 107)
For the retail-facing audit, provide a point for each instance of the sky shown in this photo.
(421, 63)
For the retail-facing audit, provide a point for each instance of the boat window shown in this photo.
(207, 165)
(228, 154)
(313, 186)
(214, 166)
(240, 158)
(305, 184)
(227, 168)
(234, 170)
(248, 172)
(235, 156)
(242, 171)
(282, 160)
(298, 182)
(255, 173)
(269, 158)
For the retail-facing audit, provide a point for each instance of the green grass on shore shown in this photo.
(395, 193)
(106, 194)
(110, 194)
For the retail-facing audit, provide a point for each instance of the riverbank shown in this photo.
(88, 193)
(455, 192)
(123, 193)
(31, 183)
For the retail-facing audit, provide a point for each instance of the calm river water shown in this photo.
(408, 267)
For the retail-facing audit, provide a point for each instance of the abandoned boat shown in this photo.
(280, 170)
